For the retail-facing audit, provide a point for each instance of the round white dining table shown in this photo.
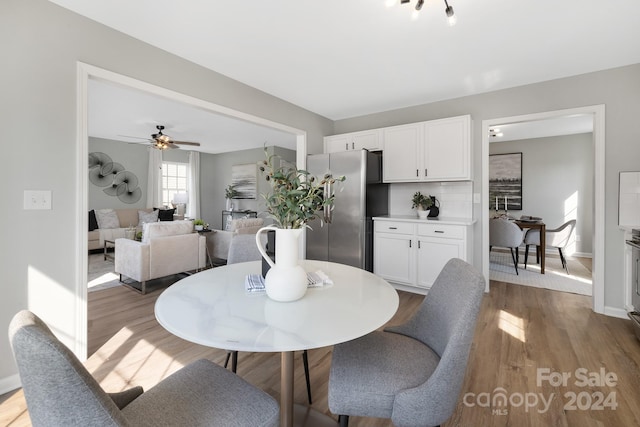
(212, 308)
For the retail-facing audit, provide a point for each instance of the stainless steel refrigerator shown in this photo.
(347, 234)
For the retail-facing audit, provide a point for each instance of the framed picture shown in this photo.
(505, 181)
(243, 179)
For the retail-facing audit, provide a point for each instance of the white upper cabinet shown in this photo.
(400, 159)
(368, 139)
(436, 150)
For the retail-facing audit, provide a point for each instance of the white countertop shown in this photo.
(415, 219)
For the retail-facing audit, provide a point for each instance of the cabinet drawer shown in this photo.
(443, 231)
(393, 227)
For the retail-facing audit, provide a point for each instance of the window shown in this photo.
(174, 180)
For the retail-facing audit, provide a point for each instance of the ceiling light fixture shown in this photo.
(448, 10)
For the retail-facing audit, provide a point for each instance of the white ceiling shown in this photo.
(565, 125)
(123, 114)
(344, 59)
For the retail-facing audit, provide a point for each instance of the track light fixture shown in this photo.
(448, 10)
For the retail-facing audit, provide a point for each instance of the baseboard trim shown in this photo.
(615, 312)
(10, 383)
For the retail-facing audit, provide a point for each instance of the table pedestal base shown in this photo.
(306, 416)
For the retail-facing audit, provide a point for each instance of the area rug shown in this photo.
(555, 278)
(101, 275)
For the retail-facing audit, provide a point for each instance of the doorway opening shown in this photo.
(597, 115)
(88, 72)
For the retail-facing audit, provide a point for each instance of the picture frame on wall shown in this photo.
(243, 179)
(505, 181)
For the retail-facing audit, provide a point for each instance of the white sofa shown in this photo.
(168, 247)
(126, 218)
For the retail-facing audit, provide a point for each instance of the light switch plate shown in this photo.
(37, 199)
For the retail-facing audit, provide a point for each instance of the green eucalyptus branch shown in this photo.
(296, 196)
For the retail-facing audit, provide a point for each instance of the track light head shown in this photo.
(419, 4)
(450, 15)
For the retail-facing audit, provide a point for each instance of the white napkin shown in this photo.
(315, 279)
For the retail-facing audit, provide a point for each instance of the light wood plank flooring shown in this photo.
(520, 329)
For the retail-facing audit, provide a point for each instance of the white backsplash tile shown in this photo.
(456, 198)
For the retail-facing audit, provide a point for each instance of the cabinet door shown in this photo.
(370, 140)
(336, 143)
(433, 254)
(401, 163)
(446, 149)
(394, 258)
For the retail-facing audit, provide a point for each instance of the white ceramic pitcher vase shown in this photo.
(286, 280)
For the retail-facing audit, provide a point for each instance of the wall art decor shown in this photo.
(505, 182)
(243, 180)
(120, 183)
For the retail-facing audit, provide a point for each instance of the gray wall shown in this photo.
(618, 89)
(41, 46)
(215, 173)
(134, 158)
(554, 171)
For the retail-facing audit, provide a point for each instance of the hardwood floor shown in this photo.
(520, 332)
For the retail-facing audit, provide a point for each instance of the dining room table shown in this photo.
(536, 225)
(214, 308)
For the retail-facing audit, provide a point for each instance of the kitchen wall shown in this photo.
(455, 198)
(618, 89)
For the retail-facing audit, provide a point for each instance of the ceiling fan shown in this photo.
(162, 142)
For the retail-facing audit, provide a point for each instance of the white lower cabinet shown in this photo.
(412, 254)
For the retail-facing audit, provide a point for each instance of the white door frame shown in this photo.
(84, 73)
(598, 114)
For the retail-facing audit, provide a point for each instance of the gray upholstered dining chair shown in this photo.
(412, 373)
(60, 391)
(556, 238)
(243, 249)
(506, 234)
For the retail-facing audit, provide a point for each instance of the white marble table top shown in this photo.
(212, 308)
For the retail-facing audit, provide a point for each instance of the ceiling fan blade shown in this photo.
(135, 137)
(172, 145)
(195, 144)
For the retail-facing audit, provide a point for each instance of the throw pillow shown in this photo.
(147, 217)
(107, 218)
(93, 222)
(166, 214)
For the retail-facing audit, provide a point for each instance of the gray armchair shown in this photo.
(60, 392)
(506, 234)
(556, 238)
(412, 373)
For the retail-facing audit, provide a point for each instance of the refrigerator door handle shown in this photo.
(329, 214)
